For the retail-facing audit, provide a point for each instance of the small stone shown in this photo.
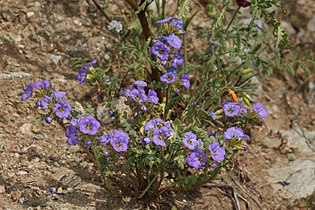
(14, 75)
(23, 200)
(288, 27)
(291, 157)
(30, 14)
(2, 189)
(22, 173)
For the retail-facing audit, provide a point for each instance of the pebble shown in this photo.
(30, 14)
(23, 200)
(22, 172)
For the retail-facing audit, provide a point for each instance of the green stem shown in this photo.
(148, 187)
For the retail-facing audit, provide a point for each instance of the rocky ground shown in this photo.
(37, 40)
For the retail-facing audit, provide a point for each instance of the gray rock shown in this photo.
(14, 75)
(55, 58)
(296, 138)
(311, 25)
(271, 142)
(299, 176)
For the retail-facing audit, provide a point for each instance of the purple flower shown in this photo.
(44, 85)
(105, 138)
(89, 125)
(126, 91)
(231, 109)
(62, 109)
(119, 141)
(28, 92)
(90, 65)
(74, 122)
(190, 141)
(260, 110)
(213, 165)
(49, 119)
(146, 140)
(140, 83)
(197, 159)
(172, 70)
(245, 148)
(166, 20)
(177, 24)
(177, 59)
(73, 135)
(59, 95)
(105, 153)
(168, 78)
(235, 133)
(43, 103)
(160, 50)
(82, 76)
(185, 80)
(138, 95)
(152, 96)
(160, 135)
(217, 153)
(174, 41)
(152, 124)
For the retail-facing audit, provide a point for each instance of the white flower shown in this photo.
(114, 24)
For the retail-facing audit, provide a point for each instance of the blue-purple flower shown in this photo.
(260, 110)
(231, 109)
(62, 109)
(174, 41)
(152, 124)
(190, 141)
(138, 96)
(234, 133)
(177, 23)
(89, 125)
(82, 75)
(160, 50)
(105, 138)
(59, 95)
(73, 135)
(177, 59)
(217, 153)
(146, 140)
(160, 135)
(87, 143)
(168, 78)
(49, 119)
(166, 20)
(140, 83)
(28, 92)
(43, 103)
(152, 96)
(185, 80)
(43, 85)
(119, 141)
(197, 159)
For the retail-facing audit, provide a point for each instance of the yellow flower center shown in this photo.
(118, 144)
(161, 137)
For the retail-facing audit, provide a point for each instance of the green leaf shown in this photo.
(289, 68)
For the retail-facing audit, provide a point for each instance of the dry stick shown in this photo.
(225, 186)
(101, 9)
(155, 74)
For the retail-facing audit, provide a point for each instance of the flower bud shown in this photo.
(243, 3)
(246, 71)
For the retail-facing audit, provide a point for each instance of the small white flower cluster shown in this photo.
(115, 25)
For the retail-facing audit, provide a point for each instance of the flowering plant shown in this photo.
(176, 132)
